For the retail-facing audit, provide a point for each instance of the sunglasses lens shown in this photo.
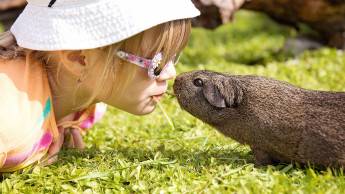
(158, 70)
(174, 59)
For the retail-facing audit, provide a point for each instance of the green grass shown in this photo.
(127, 154)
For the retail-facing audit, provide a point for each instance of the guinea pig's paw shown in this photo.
(262, 158)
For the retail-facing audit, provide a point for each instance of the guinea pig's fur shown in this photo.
(280, 122)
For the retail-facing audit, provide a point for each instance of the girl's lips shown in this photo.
(159, 96)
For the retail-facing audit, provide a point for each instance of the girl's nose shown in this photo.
(169, 73)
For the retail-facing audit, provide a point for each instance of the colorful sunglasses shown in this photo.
(150, 64)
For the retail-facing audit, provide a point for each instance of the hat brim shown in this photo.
(94, 24)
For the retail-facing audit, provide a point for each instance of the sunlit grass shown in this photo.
(126, 153)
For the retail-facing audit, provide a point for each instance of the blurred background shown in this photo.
(300, 42)
(325, 17)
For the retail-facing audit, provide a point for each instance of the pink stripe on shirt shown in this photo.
(15, 159)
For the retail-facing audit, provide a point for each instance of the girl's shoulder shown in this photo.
(25, 101)
(16, 66)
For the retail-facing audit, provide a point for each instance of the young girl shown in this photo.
(63, 59)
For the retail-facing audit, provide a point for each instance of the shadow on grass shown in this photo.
(192, 158)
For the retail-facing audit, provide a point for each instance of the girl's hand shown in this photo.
(75, 141)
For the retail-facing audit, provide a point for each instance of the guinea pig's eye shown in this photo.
(198, 82)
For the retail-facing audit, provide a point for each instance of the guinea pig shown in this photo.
(280, 122)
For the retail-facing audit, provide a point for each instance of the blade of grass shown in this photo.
(164, 112)
(171, 93)
(104, 174)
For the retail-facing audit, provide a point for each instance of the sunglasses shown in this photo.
(150, 64)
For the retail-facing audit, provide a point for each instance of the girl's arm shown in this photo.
(71, 134)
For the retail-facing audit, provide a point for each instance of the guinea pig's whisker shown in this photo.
(164, 112)
(171, 93)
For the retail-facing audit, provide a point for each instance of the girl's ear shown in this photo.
(74, 61)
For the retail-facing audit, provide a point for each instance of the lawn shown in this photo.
(127, 154)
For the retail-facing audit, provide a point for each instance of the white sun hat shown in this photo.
(86, 24)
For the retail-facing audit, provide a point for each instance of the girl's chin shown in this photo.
(144, 111)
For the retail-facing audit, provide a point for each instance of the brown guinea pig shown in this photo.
(279, 121)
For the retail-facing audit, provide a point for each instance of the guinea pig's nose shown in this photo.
(176, 87)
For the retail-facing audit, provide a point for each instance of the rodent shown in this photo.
(281, 123)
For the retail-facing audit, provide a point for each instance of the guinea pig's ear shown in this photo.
(223, 94)
(212, 95)
(232, 91)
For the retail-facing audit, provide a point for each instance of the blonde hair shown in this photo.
(170, 37)
(9, 48)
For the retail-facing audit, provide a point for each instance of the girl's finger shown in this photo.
(68, 141)
(77, 139)
(55, 147)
